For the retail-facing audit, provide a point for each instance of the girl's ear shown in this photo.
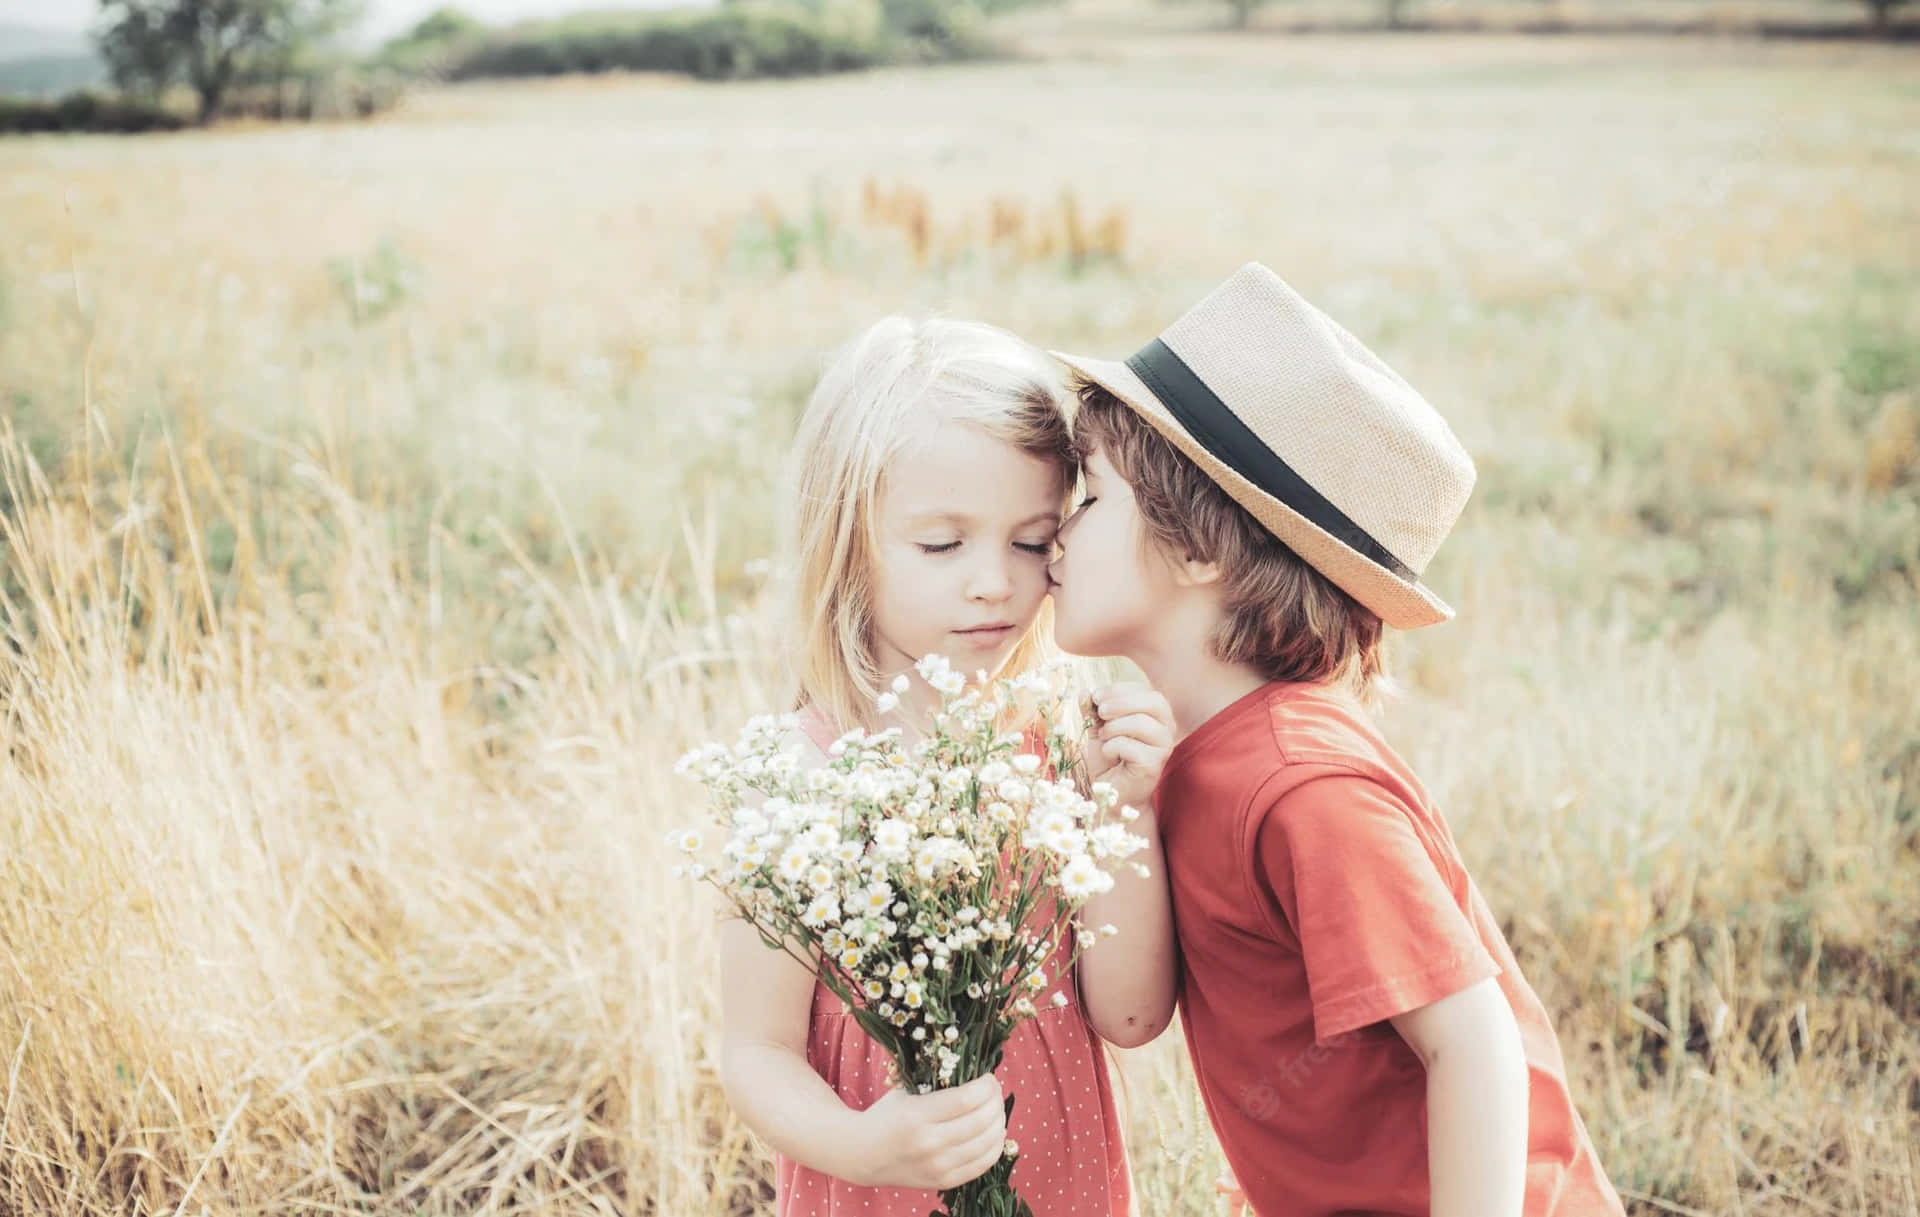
(1192, 572)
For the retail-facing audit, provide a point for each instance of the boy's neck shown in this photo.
(1196, 684)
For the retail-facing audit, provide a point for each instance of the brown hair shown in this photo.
(1282, 617)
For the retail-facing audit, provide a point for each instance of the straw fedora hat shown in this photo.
(1310, 432)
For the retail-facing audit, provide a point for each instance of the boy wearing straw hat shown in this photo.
(1262, 493)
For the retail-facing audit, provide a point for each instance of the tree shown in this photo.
(1243, 11)
(209, 45)
(1881, 12)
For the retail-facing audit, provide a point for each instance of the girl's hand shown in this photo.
(1229, 1189)
(1129, 736)
(934, 1141)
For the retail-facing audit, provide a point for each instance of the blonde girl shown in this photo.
(930, 475)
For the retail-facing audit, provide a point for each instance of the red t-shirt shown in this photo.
(1317, 893)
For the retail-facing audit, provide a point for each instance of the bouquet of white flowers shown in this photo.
(928, 885)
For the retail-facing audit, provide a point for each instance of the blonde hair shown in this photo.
(875, 396)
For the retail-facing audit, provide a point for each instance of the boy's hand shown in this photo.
(1129, 736)
(1229, 1189)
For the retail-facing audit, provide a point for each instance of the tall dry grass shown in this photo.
(382, 509)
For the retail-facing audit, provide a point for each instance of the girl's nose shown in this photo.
(991, 581)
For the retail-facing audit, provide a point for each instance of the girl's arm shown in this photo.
(766, 1001)
(1476, 1101)
(1127, 982)
(936, 1140)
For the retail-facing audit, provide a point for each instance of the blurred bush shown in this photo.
(86, 111)
(320, 91)
(751, 38)
(434, 45)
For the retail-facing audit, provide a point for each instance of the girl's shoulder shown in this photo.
(811, 737)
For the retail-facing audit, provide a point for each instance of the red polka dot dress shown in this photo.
(1072, 1160)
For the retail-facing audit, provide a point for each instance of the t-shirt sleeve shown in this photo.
(1340, 867)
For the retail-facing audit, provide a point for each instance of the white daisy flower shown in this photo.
(892, 839)
(794, 863)
(1113, 841)
(1048, 830)
(824, 911)
(1081, 879)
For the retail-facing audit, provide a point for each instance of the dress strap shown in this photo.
(813, 721)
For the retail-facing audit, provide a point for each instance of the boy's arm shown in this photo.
(1343, 866)
(1476, 1101)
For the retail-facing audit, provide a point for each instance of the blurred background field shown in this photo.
(383, 506)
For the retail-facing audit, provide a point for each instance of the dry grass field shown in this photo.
(383, 507)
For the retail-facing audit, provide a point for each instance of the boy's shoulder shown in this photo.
(1321, 726)
(1287, 735)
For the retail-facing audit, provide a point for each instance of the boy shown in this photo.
(1262, 492)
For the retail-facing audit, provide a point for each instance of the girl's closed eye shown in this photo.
(1043, 548)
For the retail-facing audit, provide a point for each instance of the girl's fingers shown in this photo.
(1129, 751)
(1143, 727)
(1117, 701)
(979, 1155)
(965, 1103)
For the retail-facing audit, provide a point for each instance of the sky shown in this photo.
(384, 18)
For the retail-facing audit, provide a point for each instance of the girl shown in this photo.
(931, 473)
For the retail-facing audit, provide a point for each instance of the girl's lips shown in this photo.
(986, 636)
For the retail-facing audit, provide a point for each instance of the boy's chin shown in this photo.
(1086, 644)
